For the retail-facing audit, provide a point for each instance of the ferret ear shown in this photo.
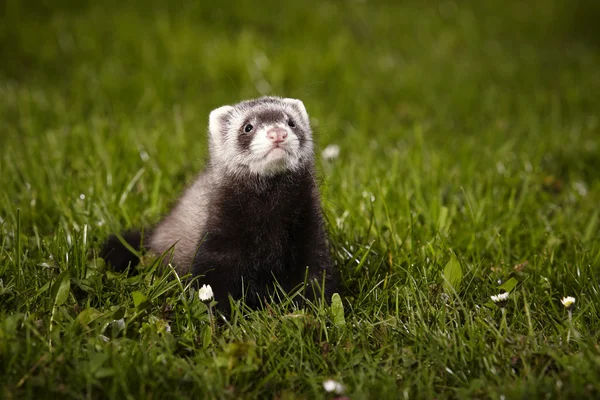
(299, 106)
(217, 119)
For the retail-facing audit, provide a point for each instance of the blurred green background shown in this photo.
(472, 76)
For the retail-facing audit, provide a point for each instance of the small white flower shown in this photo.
(502, 297)
(333, 386)
(205, 293)
(331, 152)
(568, 302)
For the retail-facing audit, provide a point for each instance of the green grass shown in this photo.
(470, 140)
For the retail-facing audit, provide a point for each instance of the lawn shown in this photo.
(469, 164)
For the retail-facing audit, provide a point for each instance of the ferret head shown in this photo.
(265, 136)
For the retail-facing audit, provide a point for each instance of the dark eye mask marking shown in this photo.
(245, 138)
(271, 116)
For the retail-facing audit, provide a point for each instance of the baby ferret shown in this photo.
(253, 217)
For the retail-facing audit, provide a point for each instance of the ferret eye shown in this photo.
(248, 128)
(291, 123)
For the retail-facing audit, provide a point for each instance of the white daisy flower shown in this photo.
(568, 302)
(331, 152)
(205, 293)
(332, 386)
(500, 299)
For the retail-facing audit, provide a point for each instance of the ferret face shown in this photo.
(266, 136)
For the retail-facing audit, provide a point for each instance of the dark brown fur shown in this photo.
(263, 230)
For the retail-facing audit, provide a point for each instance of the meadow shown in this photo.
(469, 163)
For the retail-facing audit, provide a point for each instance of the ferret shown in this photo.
(253, 217)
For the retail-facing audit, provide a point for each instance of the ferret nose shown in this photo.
(277, 135)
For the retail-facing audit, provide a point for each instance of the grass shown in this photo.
(470, 151)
